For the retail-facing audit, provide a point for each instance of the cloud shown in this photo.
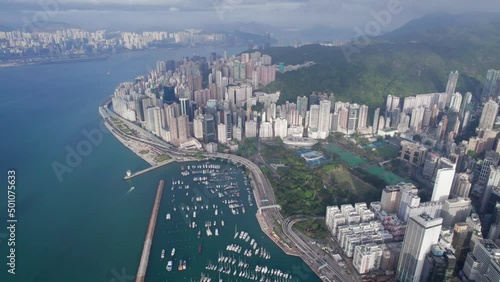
(298, 14)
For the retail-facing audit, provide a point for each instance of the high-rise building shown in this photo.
(221, 133)
(461, 186)
(390, 199)
(314, 117)
(491, 83)
(421, 233)
(455, 210)
(461, 241)
(456, 102)
(250, 129)
(490, 158)
(489, 115)
(324, 119)
(439, 265)
(451, 86)
(302, 106)
(493, 181)
(376, 116)
(363, 116)
(413, 153)
(208, 128)
(367, 257)
(198, 127)
(353, 118)
(442, 185)
(483, 263)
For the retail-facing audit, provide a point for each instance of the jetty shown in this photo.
(137, 173)
(141, 272)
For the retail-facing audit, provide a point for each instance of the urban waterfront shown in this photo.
(87, 227)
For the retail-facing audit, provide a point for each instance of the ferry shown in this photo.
(173, 252)
(169, 265)
(163, 253)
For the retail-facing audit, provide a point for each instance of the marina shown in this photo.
(211, 206)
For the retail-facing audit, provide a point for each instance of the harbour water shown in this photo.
(89, 225)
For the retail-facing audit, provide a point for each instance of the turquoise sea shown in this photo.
(88, 227)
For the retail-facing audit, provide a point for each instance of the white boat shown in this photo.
(163, 253)
(167, 216)
(194, 214)
(169, 265)
(222, 223)
(216, 232)
(216, 212)
(173, 252)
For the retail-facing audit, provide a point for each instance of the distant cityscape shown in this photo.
(18, 47)
(214, 103)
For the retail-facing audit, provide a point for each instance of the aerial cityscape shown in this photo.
(181, 141)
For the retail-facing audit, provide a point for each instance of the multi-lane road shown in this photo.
(324, 266)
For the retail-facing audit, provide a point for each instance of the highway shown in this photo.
(327, 266)
(264, 197)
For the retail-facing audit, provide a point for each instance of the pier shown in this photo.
(137, 173)
(141, 272)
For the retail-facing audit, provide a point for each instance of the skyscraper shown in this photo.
(363, 116)
(488, 115)
(376, 116)
(353, 118)
(490, 85)
(208, 128)
(442, 185)
(451, 86)
(421, 233)
(324, 119)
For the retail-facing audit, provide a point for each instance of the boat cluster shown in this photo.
(240, 268)
(255, 250)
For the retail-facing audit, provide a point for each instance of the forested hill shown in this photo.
(417, 58)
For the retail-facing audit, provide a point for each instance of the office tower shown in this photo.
(489, 114)
(482, 264)
(439, 265)
(228, 121)
(183, 128)
(376, 116)
(353, 118)
(421, 233)
(324, 119)
(461, 241)
(455, 210)
(169, 94)
(208, 128)
(367, 257)
(442, 185)
(363, 116)
(491, 158)
(451, 86)
(461, 186)
(491, 83)
(493, 181)
(185, 107)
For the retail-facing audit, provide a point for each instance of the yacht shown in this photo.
(173, 252)
(169, 265)
(167, 216)
(163, 253)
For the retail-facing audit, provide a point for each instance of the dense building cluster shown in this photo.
(15, 44)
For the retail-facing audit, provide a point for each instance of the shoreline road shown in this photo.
(322, 263)
(264, 197)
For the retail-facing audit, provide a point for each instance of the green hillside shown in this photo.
(414, 59)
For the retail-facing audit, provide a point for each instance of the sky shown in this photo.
(179, 14)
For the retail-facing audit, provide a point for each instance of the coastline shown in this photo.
(265, 214)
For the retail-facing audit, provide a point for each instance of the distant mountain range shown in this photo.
(416, 58)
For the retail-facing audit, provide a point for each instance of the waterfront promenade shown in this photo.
(268, 214)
